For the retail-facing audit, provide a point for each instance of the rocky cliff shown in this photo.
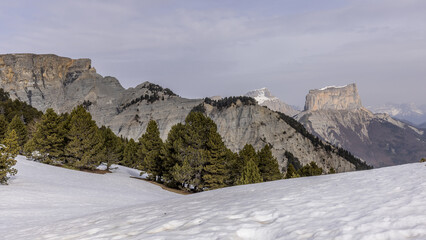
(333, 98)
(336, 115)
(46, 81)
(264, 97)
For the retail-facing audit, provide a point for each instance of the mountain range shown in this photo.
(50, 81)
(407, 112)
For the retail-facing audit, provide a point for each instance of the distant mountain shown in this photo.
(336, 115)
(423, 125)
(49, 81)
(408, 112)
(264, 98)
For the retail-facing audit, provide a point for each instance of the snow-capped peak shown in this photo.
(261, 95)
(324, 88)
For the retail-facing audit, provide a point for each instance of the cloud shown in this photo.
(222, 48)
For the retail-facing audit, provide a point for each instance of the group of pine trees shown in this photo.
(193, 157)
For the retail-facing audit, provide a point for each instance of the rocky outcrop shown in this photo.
(333, 98)
(264, 97)
(340, 119)
(49, 81)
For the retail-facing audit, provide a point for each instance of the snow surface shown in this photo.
(41, 194)
(324, 88)
(386, 203)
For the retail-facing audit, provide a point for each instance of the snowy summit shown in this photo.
(386, 203)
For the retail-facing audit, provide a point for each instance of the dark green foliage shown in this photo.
(3, 125)
(229, 101)
(215, 173)
(10, 109)
(250, 174)
(423, 160)
(199, 108)
(20, 129)
(359, 165)
(291, 172)
(151, 145)
(245, 155)
(332, 171)
(48, 139)
(268, 165)
(85, 148)
(311, 169)
(291, 159)
(9, 149)
(130, 154)
(112, 145)
(195, 155)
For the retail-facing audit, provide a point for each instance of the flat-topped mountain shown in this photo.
(336, 115)
(46, 81)
(333, 98)
(264, 98)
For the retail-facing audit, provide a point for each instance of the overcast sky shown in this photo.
(205, 48)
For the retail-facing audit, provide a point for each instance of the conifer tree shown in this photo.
(111, 146)
(268, 165)
(250, 174)
(130, 154)
(48, 139)
(8, 151)
(3, 126)
(214, 175)
(151, 145)
(85, 148)
(291, 172)
(310, 169)
(21, 130)
(246, 154)
(171, 153)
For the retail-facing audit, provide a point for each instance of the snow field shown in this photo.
(386, 203)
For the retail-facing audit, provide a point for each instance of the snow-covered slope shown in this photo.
(264, 98)
(386, 203)
(41, 194)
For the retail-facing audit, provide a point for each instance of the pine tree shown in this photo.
(151, 145)
(112, 145)
(214, 175)
(21, 130)
(130, 154)
(310, 169)
(250, 174)
(245, 155)
(171, 153)
(8, 151)
(3, 126)
(85, 148)
(291, 172)
(48, 139)
(268, 165)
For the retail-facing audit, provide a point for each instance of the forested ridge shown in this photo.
(193, 157)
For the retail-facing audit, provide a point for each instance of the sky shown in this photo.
(226, 47)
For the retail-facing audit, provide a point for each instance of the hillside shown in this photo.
(336, 115)
(386, 203)
(43, 194)
(63, 83)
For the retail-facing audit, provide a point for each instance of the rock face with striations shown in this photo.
(336, 115)
(333, 98)
(49, 81)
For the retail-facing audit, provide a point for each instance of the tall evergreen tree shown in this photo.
(112, 146)
(8, 151)
(49, 137)
(3, 126)
(85, 148)
(250, 174)
(268, 165)
(214, 175)
(21, 130)
(310, 169)
(151, 145)
(171, 153)
(246, 154)
(130, 154)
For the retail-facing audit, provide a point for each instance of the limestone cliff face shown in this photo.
(49, 81)
(333, 98)
(256, 125)
(337, 116)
